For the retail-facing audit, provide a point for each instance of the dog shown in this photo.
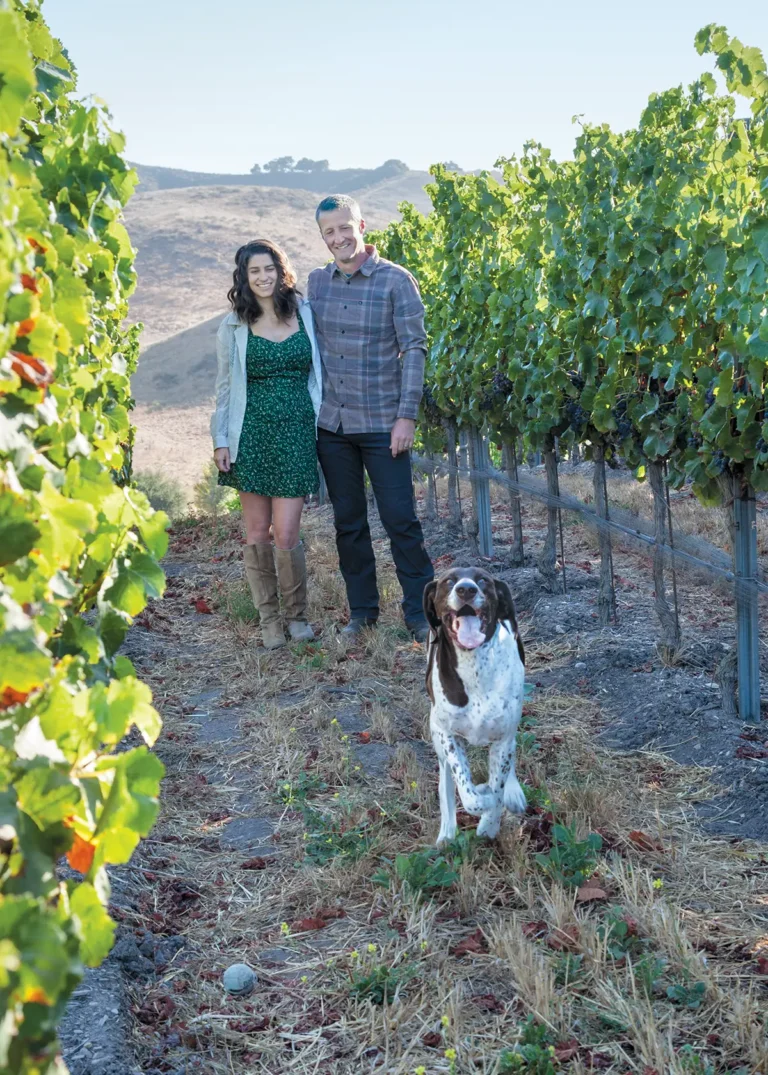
(475, 682)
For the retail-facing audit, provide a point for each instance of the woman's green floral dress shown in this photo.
(277, 454)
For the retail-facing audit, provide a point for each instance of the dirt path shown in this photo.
(298, 809)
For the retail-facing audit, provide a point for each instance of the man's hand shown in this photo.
(221, 459)
(402, 435)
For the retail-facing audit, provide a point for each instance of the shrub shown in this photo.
(163, 492)
(210, 498)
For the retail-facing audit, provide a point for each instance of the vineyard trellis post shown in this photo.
(481, 490)
(509, 456)
(747, 625)
(454, 489)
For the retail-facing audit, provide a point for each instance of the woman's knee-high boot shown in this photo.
(292, 572)
(262, 579)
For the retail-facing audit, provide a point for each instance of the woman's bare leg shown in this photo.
(257, 517)
(286, 520)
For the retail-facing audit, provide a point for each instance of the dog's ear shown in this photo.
(429, 605)
(505, 609)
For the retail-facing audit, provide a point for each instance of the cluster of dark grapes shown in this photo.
(432, 412)
(710, 396)
(721, 463)
(501, 385)
(623, 424)
(576, 380)
(486, 402)
(695, 441)
(762, 445)
(577, 416)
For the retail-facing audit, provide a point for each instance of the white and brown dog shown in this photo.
(475, 680)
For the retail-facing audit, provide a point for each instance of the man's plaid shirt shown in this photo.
(365, 326)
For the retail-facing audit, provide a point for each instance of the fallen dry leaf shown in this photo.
(306, 925)
(566, 1050)
(201, 605)
(565, 938)
(488, 1002)
(432, 1039)
(476, 942)
(257, 863)
(644, 842)
(589, 892)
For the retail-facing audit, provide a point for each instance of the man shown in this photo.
(369, 320)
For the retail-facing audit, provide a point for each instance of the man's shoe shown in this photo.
(419, 631)
(355, 626)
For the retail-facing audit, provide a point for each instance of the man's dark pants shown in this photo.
(344, 458)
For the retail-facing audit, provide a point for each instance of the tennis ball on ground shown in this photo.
(239, 980)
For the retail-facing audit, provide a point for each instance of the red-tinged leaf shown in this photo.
(644, 842)
(476, 942)
(11, 697)
(257, 863)
(201, 605)
(31, 369)
(36, 245)
(487, 1002)
(564, 939)
(566, 1050)
(80, 854)
(329, 913)
(713, 1039)
(535, 929)
(307, 925)
(589, 892)
(26, 326)
(35, 995)
(251, 1026)
(432, 1039)
(377, 914)
(762, 965)
(364, 737)
(747, 750)
(29, 283)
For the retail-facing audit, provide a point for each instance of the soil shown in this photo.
(645, 705)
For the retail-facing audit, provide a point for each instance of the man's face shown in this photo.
(343, 234)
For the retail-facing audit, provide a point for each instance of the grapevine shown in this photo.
(79, 545)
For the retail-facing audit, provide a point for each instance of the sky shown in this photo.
(216, 87)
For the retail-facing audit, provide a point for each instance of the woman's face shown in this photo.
(262, 275)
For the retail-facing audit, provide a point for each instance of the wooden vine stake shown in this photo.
(670, 626)
(509, 458)
(606, 598)
(430, 510)
(547, 562)
(454, 498)
(747, 625)
(480, 532)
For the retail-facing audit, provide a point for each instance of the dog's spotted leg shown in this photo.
(498, 768)
(475, 799)
(513, 795)
(447, 791)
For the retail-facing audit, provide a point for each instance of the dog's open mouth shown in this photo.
(467, 627)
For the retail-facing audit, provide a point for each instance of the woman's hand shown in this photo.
(221, 459)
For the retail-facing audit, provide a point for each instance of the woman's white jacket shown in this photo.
(231, 380)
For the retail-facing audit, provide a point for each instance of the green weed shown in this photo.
(423, 872)
(570, 861)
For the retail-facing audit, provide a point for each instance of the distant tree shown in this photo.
(256, 169)
(306, 164)
(279, 164)
(393, 167)
(452, 166)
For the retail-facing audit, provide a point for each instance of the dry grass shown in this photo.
(694, 907)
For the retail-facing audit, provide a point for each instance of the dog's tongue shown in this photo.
(470, 634)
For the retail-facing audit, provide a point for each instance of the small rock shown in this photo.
(559, 629)
(126, 951)
(580, 664)
(239, 980)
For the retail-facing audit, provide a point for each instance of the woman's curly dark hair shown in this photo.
(242, 299)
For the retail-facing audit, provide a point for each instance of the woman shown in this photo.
(268, 395)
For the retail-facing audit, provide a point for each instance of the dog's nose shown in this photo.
(466, 589)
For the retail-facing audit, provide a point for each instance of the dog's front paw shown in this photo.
(490, 824)
(479, 800)
(446, 834)
(514, 796)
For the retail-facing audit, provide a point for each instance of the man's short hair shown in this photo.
(338, 201)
